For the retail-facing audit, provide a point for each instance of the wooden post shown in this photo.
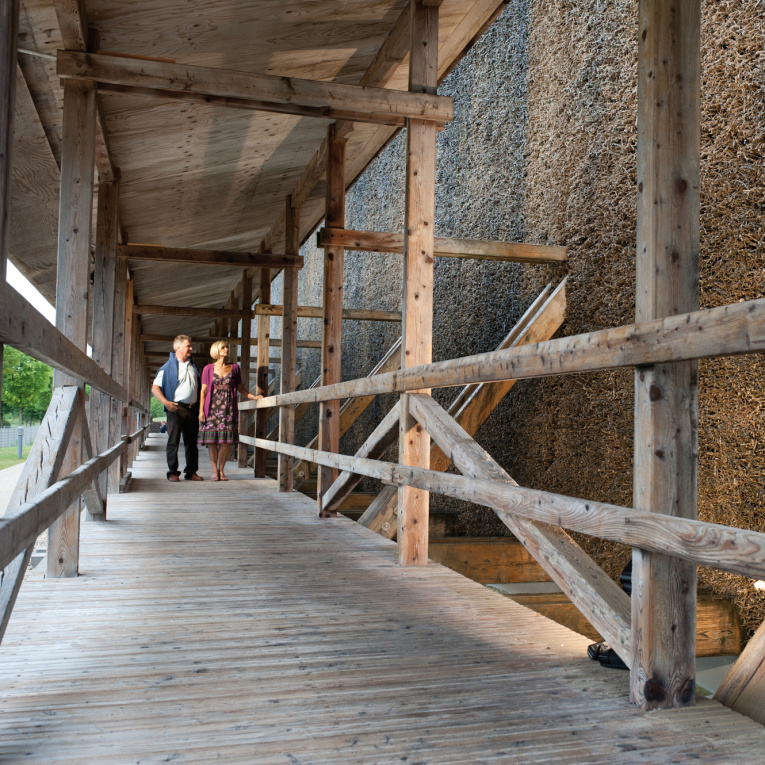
(289, 344)
(9, 35)
(118, 367)
(417, 328)
(244, 417)
(233, 330)
(129, 340)
(74, 221)
(103, 312)
(332, 304)
(264, 335)
(666, 395)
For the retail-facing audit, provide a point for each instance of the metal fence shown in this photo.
(9, 436)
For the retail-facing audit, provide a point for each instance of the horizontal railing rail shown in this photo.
(23, 327)
(725, 331)
(708, 544)
(20, 526)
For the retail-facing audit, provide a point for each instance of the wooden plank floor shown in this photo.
(223, 622)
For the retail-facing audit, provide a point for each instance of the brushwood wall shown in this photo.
(543, 149)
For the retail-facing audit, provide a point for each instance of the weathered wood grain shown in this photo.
(22, 525)
(73, 264)
(246, 298)
(222, 642)
(104, 275)
(377, 443)
(288, 95)
(666, 395)
(315, 312)
(603, 603)
(417, 303)
(290, 313)
(156, 253)
(726, 330)
(742, 688)
(353, 408)
(443, 247)
(261, 378)
(332, 315)
(707, 544)
(40, 471)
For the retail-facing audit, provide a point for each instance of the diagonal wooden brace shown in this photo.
(40, 472)
(604, 604)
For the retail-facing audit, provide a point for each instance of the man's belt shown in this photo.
(184, 405)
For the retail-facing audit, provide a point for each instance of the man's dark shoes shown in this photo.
(174, 478)
(194, 477)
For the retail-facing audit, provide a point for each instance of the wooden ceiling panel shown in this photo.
(270, 36)
(197, 175)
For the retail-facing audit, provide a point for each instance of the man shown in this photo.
(176, 387)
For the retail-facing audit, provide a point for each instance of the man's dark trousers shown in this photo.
(184, 422)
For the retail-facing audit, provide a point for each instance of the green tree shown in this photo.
(27, 383)
(157, 410)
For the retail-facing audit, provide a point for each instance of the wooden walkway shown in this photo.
(223, 622)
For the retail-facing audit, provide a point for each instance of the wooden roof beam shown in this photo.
(200, 313)
(274, 341)
(373, 241)
(73, 22)
(390, 56)
(264, 92)
(207, 257)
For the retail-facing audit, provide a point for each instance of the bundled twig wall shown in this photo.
(543, 149)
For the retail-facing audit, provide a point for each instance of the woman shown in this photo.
(219, 412)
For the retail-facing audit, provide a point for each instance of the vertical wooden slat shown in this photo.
(245, 362)
(417, 313)
(74, 222)
(103, 312)
(666, 395)
(9, 35)
(332, 303)
(264, 336)
(128, 371)
(118, 366)
(289, 345)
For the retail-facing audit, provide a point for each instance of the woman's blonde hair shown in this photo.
(215, 349)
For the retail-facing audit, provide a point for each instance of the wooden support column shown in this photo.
(244, 417)
(118, 367)
(264, 336)
(129, 340)
(74, 221)
(332, 304)
(9, 35)
(104, 276)
(289, 345)
(417, 328)
(233, 331)
(666, 395)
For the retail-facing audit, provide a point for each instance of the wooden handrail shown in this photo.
(724, 331)
(26, 329)
(707, 544)
(22, 525)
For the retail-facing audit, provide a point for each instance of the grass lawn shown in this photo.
(8, 456)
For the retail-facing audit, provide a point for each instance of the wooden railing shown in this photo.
(537, 517)
(42, 496)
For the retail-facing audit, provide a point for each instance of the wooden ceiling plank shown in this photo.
(376, 104)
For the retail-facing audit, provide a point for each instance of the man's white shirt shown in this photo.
(186, 392)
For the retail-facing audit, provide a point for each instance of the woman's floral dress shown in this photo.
(221, 427)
